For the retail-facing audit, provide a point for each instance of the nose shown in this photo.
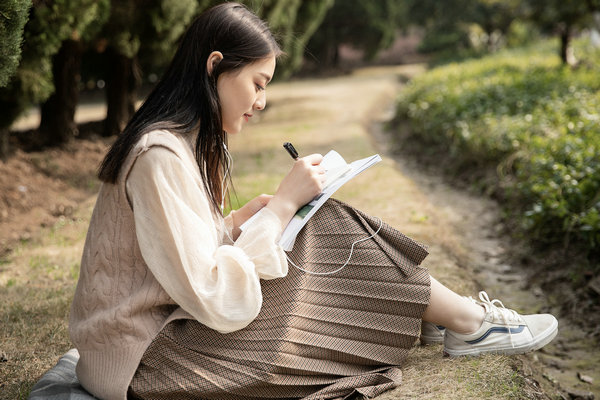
(261, 100)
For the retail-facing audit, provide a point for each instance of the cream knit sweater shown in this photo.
(156, 252)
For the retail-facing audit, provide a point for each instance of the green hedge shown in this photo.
(537, 122)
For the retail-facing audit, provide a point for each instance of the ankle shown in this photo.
(471, 322)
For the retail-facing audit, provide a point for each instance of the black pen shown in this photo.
(291, 150)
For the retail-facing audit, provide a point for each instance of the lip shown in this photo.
(247, 117)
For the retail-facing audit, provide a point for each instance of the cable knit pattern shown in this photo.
(157, 223)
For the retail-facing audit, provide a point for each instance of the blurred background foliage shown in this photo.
(369, 26)
(515, 90)
(52, 49)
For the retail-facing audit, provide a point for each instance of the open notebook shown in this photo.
(337, 172)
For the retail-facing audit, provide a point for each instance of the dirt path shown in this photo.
(343, 113)
(497, 267)
(486, 249)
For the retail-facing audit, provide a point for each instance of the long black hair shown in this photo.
(186, 101)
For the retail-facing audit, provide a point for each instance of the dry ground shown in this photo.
(46, 200)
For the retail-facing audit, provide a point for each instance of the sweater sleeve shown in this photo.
(217, 284)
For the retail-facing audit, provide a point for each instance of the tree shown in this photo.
(13, 15)
(294, 22)
(57, 113)
(44, 32)
(562, 17)
(368, 26)
(495, 18)
(159, 23)
(449, 24)
(443, 21)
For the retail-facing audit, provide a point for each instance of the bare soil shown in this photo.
(39, 187)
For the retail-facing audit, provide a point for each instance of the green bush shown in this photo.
(534, 120)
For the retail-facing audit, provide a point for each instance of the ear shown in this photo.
(213, 60)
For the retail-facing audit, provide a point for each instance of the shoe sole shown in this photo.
(544, 338)
(429, 340)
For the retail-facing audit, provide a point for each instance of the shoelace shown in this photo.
(499, 311)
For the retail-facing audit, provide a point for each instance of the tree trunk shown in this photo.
(332, 55)
(122, 82)
(57, 124)
(335, 57)
(565, 36)
(4, 146)
(12, 105)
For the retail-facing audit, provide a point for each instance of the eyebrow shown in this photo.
(266, 76)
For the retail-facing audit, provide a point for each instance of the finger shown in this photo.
(319, 179)
(314, 159)
(264, 199)
(320, 187)
(316, 172)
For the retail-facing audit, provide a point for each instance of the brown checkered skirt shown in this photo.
(317, 336)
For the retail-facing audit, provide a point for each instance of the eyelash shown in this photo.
(258, 87)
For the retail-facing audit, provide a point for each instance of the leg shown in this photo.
(452, 311)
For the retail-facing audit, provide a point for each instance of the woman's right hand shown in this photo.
(302, 184)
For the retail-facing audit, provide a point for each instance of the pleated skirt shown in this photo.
(317, 336)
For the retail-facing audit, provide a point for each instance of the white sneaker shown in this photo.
(502, 331)
(431, 333)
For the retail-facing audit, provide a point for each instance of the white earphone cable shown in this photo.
(225, 182)
(349, 256)
(225, 187)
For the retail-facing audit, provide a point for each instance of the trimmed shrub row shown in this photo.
(533, 120)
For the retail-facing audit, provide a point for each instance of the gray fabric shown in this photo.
(60, 382)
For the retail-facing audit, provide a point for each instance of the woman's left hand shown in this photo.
(247, 211)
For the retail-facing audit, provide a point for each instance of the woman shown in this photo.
(175, 301)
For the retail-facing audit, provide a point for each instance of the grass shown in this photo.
(38, 278)
(37, 282)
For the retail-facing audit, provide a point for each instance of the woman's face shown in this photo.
(242, 92)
